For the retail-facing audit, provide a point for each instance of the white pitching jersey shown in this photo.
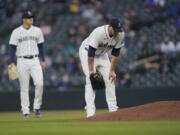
(26, 40)
(101, 40)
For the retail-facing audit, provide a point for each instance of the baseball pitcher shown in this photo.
(26, 44)
(93, 56)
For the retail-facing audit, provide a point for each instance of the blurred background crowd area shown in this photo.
(150, 57)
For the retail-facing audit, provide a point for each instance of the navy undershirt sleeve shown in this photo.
(12, 53)
(116, 51)
(41, 51)
(91, 51)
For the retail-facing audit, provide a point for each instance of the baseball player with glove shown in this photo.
(98, 69)
(26, 44)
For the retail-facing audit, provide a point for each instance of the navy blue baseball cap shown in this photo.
(27, 14)
(116, 24)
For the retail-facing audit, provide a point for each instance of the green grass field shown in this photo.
(59, 123)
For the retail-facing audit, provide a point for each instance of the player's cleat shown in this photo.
(37, 112)
(26, 115)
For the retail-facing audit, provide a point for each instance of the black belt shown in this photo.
(28, 56)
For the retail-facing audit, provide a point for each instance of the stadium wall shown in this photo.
(74, 99)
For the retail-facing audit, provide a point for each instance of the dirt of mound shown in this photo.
(164, 110)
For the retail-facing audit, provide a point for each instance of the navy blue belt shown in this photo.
(28, 56)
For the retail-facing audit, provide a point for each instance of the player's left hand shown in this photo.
(112, 76)
(43, 65)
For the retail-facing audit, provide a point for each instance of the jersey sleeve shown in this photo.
(41, 37)
(121, 41)
(94, 39)
(13, 39)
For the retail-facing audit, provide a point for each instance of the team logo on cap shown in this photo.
(29, 13)
(119, 24)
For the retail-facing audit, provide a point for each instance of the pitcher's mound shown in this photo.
(164, 110)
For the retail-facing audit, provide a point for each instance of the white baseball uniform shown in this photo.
(26, 41)
(103, 43)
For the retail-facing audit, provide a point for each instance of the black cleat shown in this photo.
(37, 112)
(26, 115)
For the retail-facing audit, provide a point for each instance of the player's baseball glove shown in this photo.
(97, 81)
(12, 72)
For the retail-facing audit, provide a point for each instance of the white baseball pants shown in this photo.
(103, 65)
(27, 68)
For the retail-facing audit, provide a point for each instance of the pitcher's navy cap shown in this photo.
(27, 14)
(116, 24)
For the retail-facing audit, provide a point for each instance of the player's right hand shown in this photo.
(112, 76)
(43, 65)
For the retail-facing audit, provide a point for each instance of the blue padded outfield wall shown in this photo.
(74, 99)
